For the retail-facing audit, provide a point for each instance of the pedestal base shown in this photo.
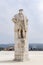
(21, 50)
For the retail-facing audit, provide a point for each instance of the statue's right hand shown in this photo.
(14, 20)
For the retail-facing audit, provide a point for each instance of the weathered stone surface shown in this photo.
(21, 33)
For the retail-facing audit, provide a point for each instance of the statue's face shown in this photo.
(20, 12)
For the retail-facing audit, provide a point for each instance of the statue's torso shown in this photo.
(21, 21)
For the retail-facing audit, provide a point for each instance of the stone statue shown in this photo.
(21, 33)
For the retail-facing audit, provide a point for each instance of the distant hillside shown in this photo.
(36, 47)
(32, 47)
(6, 45)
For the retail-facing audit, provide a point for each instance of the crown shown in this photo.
(20, 9)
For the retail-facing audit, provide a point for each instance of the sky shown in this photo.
(33, 9)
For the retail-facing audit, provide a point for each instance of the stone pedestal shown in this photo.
(21, 50)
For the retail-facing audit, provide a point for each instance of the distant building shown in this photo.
(11, 48)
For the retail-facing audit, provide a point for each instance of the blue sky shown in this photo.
(34, 11)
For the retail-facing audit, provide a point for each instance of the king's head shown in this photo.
(20, 11)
